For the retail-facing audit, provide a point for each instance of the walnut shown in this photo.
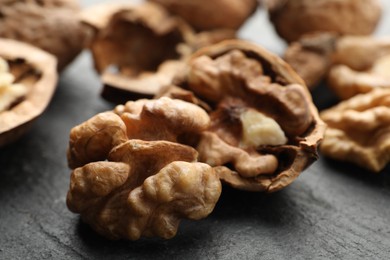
(314, 55)
(358, 130)
(137, 48)
(264, 127)
(347, 17)
(32, 73)
(217, 11)
(52, 25)
(132, 178)
(369, 70)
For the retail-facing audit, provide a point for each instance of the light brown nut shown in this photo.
(347, 17)
(264, 126)
(359, 130)
(208, 15)
(52, 25)
(138, 48)
(35, 69)
(126, 187)
(314, 55)
(117, 208)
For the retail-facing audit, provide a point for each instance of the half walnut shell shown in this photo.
(36, 69)
(264, 127)
(138, 48)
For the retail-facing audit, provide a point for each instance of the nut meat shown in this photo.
(125, 187)
(264, 127)
(359, 130)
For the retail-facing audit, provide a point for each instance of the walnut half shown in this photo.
(264, 127)
(132, 178)
(359, 130)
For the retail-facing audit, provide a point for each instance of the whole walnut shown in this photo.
(264, 127)
(207, 15)
(52, 25)
(294, 18)
(132, 178)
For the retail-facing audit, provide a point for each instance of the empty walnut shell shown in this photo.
(36, 69)
(138, 48)
(359, 130)
(52, 25)
(243, 86)
(132, 178)
(208, 15)
(347, 17)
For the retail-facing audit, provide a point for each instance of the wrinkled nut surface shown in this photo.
(264, 127)
(131, 178)
(359, 130)
(314, 55)
(52, 25)
(367, 69)
(35, 70)
(138, 48)
(216, 11)
(347, 17)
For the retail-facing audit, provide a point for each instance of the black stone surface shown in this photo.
(333, 211)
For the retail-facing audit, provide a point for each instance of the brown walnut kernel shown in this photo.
(295, 18)
(52, 25)
(264, 127)
(132, 178)
(208, 15)
(138, 48)
(314, 56)
(359, 130)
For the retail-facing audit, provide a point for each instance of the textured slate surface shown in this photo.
(332, 211)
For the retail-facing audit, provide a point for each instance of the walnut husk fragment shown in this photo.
(295, 18)
(264, 127)
(36, 70)
(52, 25)
(132, 178)
(138, 48)
(359, 130)
(209, 15)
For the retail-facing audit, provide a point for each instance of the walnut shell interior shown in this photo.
(36, 69)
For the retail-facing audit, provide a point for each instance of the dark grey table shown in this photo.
(333, 210)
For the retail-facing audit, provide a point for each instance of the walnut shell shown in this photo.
(234, 77)
(143, 45)
(359, 129)
(294, 18)
(36, 69)
(51, 25)
(208, 15)
(132, 178)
